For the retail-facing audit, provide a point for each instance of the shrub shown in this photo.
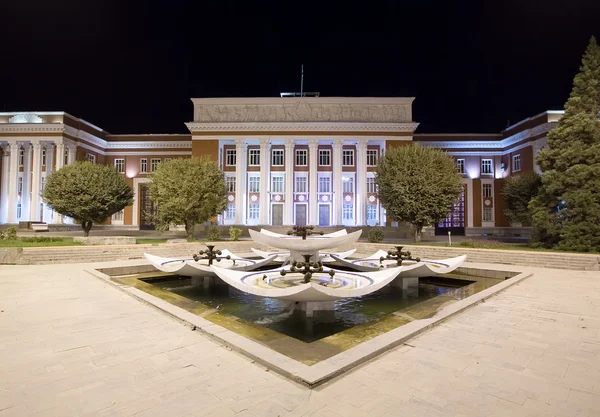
(234, 233)
(9, 234)
(213, 234)
(481, 244)
(375, 234)
(42, 239)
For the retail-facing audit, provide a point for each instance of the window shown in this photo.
(90, 157)
(371, 212)
(348, 157)
(230, 157)
(487, 190)
(118, 216)
(371, 185)
(301, 157)
(254, 157)
(143, 165)
(460, 166)
(486, 166)
(43, 184)
(19, 211)
(167, 159)
(487, 214)
(324, 157)
(301, 184)
(66, 157)
(277, 184)
(230, 212)
(21, 157)
(348, 184)
(516, 162)
(371, 157)
(230, 181)
(253, 211)
(254, 184)
(120, 165)
(154, 164)
(20, 185)
(324, 184)
(43, 157)
(348, 212)
(277, 157)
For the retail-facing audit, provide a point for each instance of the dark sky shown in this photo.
(131, 66)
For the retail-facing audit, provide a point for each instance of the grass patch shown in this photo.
(150, 241)
(38, 241)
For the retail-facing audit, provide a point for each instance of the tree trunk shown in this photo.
(418, 231)
(86, 226)
(189, 229)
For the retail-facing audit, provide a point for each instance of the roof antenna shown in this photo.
(302, 81)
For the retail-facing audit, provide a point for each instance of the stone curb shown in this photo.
(324, 371)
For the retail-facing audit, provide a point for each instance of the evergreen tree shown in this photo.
(566, 212)
(517, 193)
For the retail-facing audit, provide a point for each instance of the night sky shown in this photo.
(130, 66)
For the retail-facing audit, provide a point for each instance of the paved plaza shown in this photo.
(72, 345)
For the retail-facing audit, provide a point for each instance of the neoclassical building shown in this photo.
(287, 160)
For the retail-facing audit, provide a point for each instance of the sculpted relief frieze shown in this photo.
(303, 112)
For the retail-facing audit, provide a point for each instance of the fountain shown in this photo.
(303, 280)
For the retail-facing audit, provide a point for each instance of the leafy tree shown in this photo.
(518, 192)
(187, 191)
(566, 212)
(418, 185)
(88, 193)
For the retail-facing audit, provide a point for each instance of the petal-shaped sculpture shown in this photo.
(283, 256)
(410, 269)
(311, 244)
(321, 288)
(342, 232)
(190, 268)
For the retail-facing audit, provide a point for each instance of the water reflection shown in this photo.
(282, 317)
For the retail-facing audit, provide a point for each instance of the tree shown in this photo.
(187, 191)
(517, 193)
(417, 185)
(566, 212)
(88, 193)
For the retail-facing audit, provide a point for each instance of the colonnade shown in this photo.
(337, 202)
(24, 202)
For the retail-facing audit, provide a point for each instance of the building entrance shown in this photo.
(277, 214)
(147, 208)
(300, 214)
(455, 222)
(324, 214)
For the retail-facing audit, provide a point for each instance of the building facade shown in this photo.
(288, 160)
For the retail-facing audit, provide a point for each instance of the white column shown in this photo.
(60, 161)
(338, 196)
(313, 145)
(49, 171)
(361, 182)
(288, 211)
(240, 181)
(12, 182)
(60, 154)
(35, 182)
(26, 194)
(5, 181)
(265, 179)
(72, 154)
